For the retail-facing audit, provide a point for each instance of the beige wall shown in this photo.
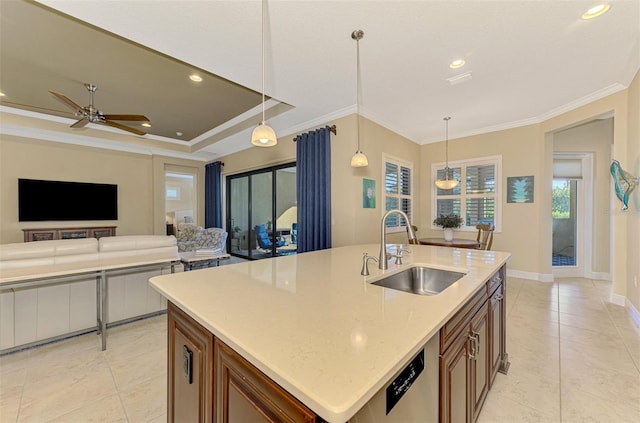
(350, 222)
(133, 173)
(618, 104)
(632, 165)
(594, 137)
(519, 149)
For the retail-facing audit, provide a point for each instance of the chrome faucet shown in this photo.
(382, 259)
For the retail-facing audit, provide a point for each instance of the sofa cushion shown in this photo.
(135, 242)
(21, 255)
(44, 249)
(188, 232)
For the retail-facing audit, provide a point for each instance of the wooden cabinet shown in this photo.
(190, 372)
(478, 337)
(210, 382)
(497, 321)
(472, 351)
(244, 394)
(47, 234)
(454, 382)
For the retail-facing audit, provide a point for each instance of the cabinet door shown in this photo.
(244, 394)
(480, 350)
(190, 373)
(454, 382)
(496, 309)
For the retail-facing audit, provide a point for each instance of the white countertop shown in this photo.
(319, 329)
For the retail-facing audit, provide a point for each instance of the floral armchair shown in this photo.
(191, 238)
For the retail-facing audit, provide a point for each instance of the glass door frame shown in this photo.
(251, 233)
(584, 226)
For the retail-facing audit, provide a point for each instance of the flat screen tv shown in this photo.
(40, 200)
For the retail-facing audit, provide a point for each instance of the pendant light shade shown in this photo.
(449, 182)
(263, 135)
(359, 159)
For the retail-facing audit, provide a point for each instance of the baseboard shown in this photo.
(634, 311)
(599, 276)
(541, 277)
(618, 299)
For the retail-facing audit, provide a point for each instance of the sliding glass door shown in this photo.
(262, 212)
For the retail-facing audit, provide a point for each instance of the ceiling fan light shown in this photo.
(359, 160)
(264, 136)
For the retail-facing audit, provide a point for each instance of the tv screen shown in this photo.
(40, 200)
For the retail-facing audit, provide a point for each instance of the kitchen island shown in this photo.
(317, 328)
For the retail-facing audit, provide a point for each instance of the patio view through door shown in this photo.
(571, 202)
(262, 212)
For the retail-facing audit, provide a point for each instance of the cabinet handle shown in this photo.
(499, 297)
(476, 336)
(187, 364)
(472, 352)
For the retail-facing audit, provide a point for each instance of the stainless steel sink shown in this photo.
(420, 280)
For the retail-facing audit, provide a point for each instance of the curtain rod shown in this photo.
(332, 128)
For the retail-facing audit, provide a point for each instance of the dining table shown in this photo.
(456, 243)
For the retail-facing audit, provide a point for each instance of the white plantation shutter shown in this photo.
(476, 198)
(398, 177)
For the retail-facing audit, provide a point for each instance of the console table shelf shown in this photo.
(45, 234)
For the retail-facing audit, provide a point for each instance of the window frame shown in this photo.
(463, 196)
(388, 158)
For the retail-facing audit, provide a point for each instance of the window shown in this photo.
(398, 191)
(477, 198)
(173, 193)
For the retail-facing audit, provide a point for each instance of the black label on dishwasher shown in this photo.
(405, 379)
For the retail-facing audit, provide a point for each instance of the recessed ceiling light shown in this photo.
(179, 134)
(458, 63)
(595, 11)
(146, 125)
(195, 78)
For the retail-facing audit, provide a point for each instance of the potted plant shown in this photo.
(448, 222)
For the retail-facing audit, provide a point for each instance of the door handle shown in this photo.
(187, 364)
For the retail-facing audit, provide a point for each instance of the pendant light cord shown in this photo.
(446, 150)
(264, 5)
(358, 87)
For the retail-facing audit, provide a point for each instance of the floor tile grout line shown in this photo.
(557, 287)
(615, 325)
(118, 392)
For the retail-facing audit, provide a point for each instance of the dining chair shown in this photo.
(485, 236)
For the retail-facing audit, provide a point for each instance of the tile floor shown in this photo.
(574, 358)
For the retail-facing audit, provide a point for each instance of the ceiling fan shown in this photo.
(91, 114)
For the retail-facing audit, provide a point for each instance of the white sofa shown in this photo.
(37, 303)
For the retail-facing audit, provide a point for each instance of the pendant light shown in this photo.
(263, 135)
(448, 182)
(358, 159)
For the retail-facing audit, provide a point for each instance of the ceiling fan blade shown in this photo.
(81, 123)
(66, 100)
(136, 118)
(124, 127)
